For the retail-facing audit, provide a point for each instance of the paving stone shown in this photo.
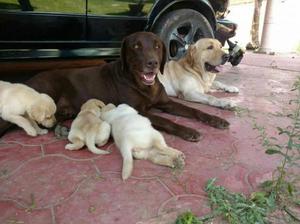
(41, 182)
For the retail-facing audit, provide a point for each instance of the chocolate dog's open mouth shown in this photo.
(211, 68)
(148, 78)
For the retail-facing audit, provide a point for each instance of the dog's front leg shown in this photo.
(226, 88)
(170, 127)
(39, 130)
(185, 111)
(208, 100)
(21, 122)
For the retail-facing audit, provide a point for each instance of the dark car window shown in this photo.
(55, 6)
(120, 7)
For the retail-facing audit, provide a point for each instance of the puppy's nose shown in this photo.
(225, 58)
(152, 63)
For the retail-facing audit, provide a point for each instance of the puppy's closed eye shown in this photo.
(210, 47)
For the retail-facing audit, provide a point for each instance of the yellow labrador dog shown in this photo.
(88, 129)
(25, 107)
(135, 137)
(193, 76)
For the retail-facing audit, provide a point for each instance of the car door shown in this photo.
(109, 21)
(37, 24)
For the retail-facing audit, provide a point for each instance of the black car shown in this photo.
(87, 28)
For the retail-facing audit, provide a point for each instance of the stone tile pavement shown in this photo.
(41, 182)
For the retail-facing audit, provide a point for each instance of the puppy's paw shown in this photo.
(99, 151)
(42, 131)
(71, 146)
(232, 89)
(104, 152)
(178, 161)
(218, 122)
(32, 132)
(190, 135)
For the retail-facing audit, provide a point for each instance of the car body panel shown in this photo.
(80, 28)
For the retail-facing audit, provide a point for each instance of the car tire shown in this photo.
(180, 28)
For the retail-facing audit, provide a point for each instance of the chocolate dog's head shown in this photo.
(143, 54)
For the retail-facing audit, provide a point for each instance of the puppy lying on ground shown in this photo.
(193, 76)
(25, 107)
(135, 137)
(88, 129)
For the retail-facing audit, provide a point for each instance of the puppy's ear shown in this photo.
(123, 54)
(100, 104)
(108, 107)
(164, 58)
(190, 55)
(37, 113)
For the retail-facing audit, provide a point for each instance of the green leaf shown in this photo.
(290, 144)
(290, 189)
(210, 183)
(297, 202)
(273, 151)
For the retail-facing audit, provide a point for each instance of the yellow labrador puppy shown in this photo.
(88, 129)
(193, 76)
(25, 107)
(135, 137)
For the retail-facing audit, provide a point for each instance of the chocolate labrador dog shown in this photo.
(132, 80)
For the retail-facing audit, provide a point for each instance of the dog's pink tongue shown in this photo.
(149, 77)
(217, 69)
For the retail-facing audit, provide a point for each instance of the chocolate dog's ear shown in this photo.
(123, 55)
(164, 58)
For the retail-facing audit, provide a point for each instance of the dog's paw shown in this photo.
(32, 132)
(98, 151)
(71, 147)
(218, 122)
(178, 161)
(190, 135)
(232, 89)
(42, 131)
(226, 104)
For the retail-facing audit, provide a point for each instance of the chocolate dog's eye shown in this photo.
(210, 47)
(136, 46)
(156, 46)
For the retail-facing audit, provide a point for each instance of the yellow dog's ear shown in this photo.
(108, 107)
(37, 113)
(99, 103)
(190, 55)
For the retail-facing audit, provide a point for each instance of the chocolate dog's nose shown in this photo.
(225, 58)
(152, 63)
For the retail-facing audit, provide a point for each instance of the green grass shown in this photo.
(100, 7)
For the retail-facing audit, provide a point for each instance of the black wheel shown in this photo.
(180, 28)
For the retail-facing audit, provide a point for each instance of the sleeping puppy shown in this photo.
(135, 137)
(88, 129)
(193, 76)
(25, 107)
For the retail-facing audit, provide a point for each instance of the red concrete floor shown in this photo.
(41, 182)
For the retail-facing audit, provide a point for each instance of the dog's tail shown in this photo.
(127, 162)
(90, 143)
